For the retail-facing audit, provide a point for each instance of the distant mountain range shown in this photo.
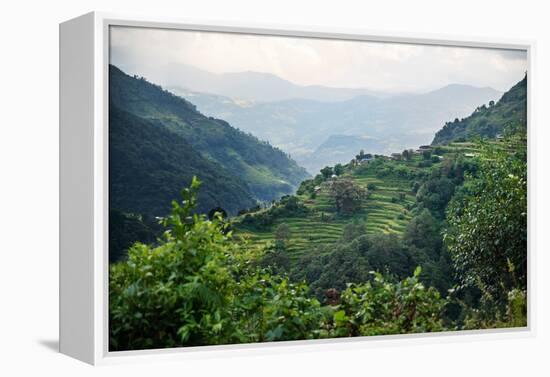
(508, 114)
(158, 141)
(247, 86)
(306, 128)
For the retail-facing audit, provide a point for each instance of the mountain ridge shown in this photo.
(146, 173)
(402, 122)
(489, 121)
(246, 85)
(268, 172)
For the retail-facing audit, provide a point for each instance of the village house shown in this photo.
(366, 159)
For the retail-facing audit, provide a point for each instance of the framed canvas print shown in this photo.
(230, 188)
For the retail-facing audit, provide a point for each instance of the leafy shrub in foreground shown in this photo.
(198, 288)
(381, 307)
(487, 232)
(178, 292)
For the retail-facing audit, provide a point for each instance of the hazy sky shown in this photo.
(304, 61)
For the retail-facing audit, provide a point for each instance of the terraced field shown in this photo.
(460, 147)
(384, 210)
(469, 147)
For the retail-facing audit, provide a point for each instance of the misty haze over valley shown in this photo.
(321, 126)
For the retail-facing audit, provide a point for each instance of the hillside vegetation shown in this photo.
(405, 198)
(383, 210)
(198, 285)
(149, 165)
(267, 172)
(507, 115)
(424, 241)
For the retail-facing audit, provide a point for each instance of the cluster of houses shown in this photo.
(365, 158)
(421, 149)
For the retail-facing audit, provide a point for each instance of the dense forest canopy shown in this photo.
(150, 164)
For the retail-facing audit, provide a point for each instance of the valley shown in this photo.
(255, 182)
(279, 254)
(268, 188)
(318, 134)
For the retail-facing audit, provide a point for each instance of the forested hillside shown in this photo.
(267, 172)
(392, 221)
(508, 114)
(149, 165)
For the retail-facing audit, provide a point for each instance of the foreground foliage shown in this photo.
(487, 232)
(380, 307)
(197, 288)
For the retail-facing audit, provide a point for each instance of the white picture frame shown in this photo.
(84, 59)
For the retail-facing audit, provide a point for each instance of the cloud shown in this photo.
(309, 61)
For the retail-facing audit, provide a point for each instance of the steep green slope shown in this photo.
(396, 228)
(268, 172)
(385, 210)
(149, 165)
(509, 113)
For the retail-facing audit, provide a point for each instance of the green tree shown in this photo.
(487, 232)
(352, 230)
(347, 195)
(283, 233)
(291, 203)
(276, 258)
(435, 193)
(338, 169)
(178, 292)
(327, 172)
(382, 307)
(199, 287)
(423, 232)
